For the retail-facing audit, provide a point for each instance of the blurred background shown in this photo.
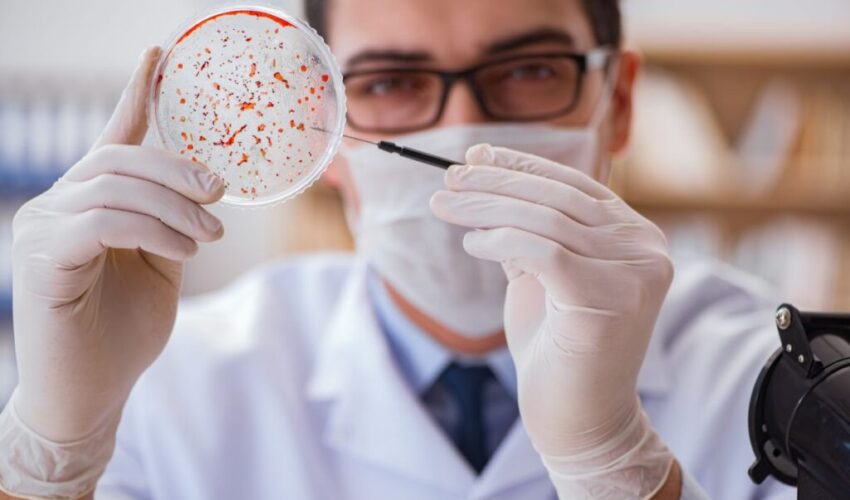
(740, 149)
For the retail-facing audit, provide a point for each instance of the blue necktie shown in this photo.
(465, 384)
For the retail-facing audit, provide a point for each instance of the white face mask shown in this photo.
(421, 256)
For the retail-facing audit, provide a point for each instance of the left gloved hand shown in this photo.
(587, 277)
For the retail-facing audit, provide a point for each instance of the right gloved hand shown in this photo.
(98, 263)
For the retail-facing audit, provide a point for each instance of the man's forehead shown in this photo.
(448, 30)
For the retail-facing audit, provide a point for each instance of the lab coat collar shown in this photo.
(514, 462)
(375, 416)
(419, 357)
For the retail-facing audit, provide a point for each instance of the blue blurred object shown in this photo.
(41, 135)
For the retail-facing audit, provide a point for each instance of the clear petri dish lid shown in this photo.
(244, 90)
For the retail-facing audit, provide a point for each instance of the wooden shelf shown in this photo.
(728, 205)
(705, 54)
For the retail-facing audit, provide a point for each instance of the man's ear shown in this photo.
(623, 99)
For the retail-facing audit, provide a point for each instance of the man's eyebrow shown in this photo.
(541, 35)
(376, 55)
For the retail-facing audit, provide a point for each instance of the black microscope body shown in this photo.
(800, 409)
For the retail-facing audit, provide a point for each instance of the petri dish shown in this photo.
(256, 95)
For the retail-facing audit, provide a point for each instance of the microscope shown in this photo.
(799, 417)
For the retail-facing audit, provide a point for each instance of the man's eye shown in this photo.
(389, 85)
(530, 72)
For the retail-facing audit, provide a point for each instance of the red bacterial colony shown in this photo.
(228, 86)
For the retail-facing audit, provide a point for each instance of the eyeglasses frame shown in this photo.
(595, 58)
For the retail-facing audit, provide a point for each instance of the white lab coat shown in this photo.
(282, 386)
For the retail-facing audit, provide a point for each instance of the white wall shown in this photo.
(89, 37)
(796, 26)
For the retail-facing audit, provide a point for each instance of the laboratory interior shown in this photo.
(739, 152)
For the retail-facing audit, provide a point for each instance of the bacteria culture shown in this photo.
(239, 91)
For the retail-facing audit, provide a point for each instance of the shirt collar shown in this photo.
(420, 358)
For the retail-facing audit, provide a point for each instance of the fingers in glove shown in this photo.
(143, 197)
(531, 253)
(490, 211)
(99, 229)
(571, 278)
(485, 154)
(190, 179)
(567, 277)
(129, 122)
(544, 191)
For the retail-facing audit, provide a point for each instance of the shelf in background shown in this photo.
(731, 204)
(676, 50)
(670, 54)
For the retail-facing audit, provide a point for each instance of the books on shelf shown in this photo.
(773, 200)
(676, 146)
(770, 137)
(793, 151)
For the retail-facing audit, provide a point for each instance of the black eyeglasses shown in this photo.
(528, 87)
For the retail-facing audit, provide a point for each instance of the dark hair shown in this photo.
(604, 16)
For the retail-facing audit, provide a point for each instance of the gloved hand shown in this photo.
(98, 262)
(587, 277)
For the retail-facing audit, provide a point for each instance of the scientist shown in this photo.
(503, 331)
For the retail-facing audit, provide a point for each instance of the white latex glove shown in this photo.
(587, 276)
(97, 270)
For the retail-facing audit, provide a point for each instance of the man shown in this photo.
(516, 284)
